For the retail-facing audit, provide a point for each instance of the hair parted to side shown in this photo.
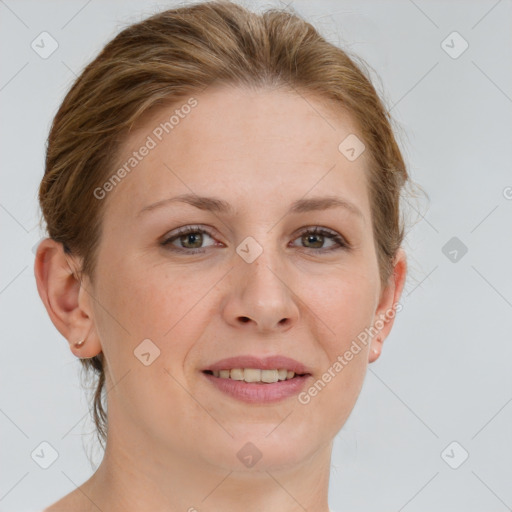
(177, 53)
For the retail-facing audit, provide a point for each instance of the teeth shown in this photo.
(252, 375)
(269, 375)
(235, 374)
(255, 375)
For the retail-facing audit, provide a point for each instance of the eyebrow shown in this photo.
(222, 207)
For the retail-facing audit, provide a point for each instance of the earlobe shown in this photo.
(59, 289)
(376, 348)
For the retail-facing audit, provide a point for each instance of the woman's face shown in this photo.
(255, 283)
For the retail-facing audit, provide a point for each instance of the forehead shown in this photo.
(240, 142)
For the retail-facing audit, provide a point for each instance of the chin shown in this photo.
(256, 448)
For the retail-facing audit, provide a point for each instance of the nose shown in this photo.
(261, 297)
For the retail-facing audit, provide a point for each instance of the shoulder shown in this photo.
(75, 501)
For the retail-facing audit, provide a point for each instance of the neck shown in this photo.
(139, 475)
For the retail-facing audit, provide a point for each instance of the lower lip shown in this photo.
(255, 392)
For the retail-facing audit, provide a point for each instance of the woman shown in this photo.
(222, 200)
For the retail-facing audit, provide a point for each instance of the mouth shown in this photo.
(257, 386)
(256, 375)
(258, 379)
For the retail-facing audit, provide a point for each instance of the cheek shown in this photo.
(347, 312)
(140, 302)
(145, 301)
(346, 307)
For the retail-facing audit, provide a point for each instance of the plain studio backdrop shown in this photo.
(431, 428)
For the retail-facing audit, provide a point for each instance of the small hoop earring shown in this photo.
(80, 343)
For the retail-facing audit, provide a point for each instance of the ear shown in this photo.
(388, 305)
(65, 298)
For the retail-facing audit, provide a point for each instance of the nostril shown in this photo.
(244, 319)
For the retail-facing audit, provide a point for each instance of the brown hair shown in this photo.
(181, 51)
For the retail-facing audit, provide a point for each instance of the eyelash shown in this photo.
(341, 242)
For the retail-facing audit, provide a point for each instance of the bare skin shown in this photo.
(173, 437)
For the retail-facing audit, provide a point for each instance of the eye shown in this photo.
(317, 236)
(190, 239)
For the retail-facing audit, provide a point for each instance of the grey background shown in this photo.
(444, 374)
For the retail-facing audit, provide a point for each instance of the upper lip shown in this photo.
(263, 363)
